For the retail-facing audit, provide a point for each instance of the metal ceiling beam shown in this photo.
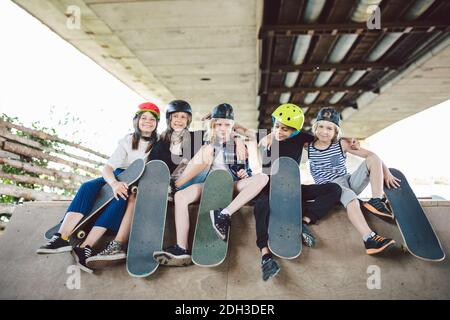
(271, 107)
(317, 67)
(358, 89)
(359, 28)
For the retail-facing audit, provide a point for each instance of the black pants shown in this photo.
(325, 197)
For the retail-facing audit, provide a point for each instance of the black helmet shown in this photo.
(223, 111)
(178, 106)
(329, 114)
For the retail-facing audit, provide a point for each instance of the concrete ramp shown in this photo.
(337, 268)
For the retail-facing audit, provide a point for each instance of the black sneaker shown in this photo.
(377, 244)
(379, 208)
(221, 223)
(80, 255)
(308, 238)
(269, 268)
(55, 245)
(173, 256)
(112, 255)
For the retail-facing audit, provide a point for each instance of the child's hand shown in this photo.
(242, 174)
(266, 141)
(391, 181)
(354, 144)
(120, 189)
(207, 117)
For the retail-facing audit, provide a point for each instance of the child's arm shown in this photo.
(241, 149)
(389, 179)
(360, 152)
(249, 134)
(266, 141)
(354, 143)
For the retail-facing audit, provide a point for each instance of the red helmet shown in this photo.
(148, 107)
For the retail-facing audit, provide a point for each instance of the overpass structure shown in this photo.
(256, 54)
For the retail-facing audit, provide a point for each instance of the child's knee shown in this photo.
(179, 197)
(373, 159)
(184, 197)
(335, 189)
(262, 179)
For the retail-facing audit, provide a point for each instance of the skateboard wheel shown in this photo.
(134, 189)
(81, 234)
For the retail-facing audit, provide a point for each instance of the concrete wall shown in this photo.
(335, 269)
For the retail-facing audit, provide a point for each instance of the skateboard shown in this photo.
(131, 175)
(208, 250)
(415, 228)
(149, 218)
(285, 222)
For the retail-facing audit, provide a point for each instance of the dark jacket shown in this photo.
(161, 150)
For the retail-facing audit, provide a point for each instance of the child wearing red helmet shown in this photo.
(133, 146)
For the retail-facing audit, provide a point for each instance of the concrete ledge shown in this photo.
(335, 269)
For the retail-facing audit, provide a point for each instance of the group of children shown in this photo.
(191, 155)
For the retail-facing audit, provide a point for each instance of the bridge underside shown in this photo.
(256, 54)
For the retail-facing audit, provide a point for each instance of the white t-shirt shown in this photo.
(219, 161)
(124, 155)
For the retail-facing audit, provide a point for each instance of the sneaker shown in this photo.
(221, 223)
(80, 255)
(55, 245)
(112, 255)
(308, 238)
(173, 256)
(269, 268)
(377, 244)
(379, 208)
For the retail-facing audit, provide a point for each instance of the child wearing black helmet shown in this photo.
(327, 161)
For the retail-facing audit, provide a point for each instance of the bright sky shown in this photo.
(43, 78)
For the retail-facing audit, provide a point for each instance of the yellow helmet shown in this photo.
(290, 115)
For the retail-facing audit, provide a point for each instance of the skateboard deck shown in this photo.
(104, 197)
(415, 228)
(149, 218)
(208, 250)
(50, 232)
(285, 222)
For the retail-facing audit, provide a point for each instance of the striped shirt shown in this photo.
(326, 165)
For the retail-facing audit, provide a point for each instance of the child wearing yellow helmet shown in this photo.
(288, 140)
(290, 115)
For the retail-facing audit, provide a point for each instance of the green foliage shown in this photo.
(40, 162)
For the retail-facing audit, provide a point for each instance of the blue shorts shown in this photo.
(200, 178)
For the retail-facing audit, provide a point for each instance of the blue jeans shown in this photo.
(111, 215)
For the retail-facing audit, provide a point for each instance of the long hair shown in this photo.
(337, 131)
(137, 134)
(166, 136)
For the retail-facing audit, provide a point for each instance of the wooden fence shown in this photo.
(51, 172)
